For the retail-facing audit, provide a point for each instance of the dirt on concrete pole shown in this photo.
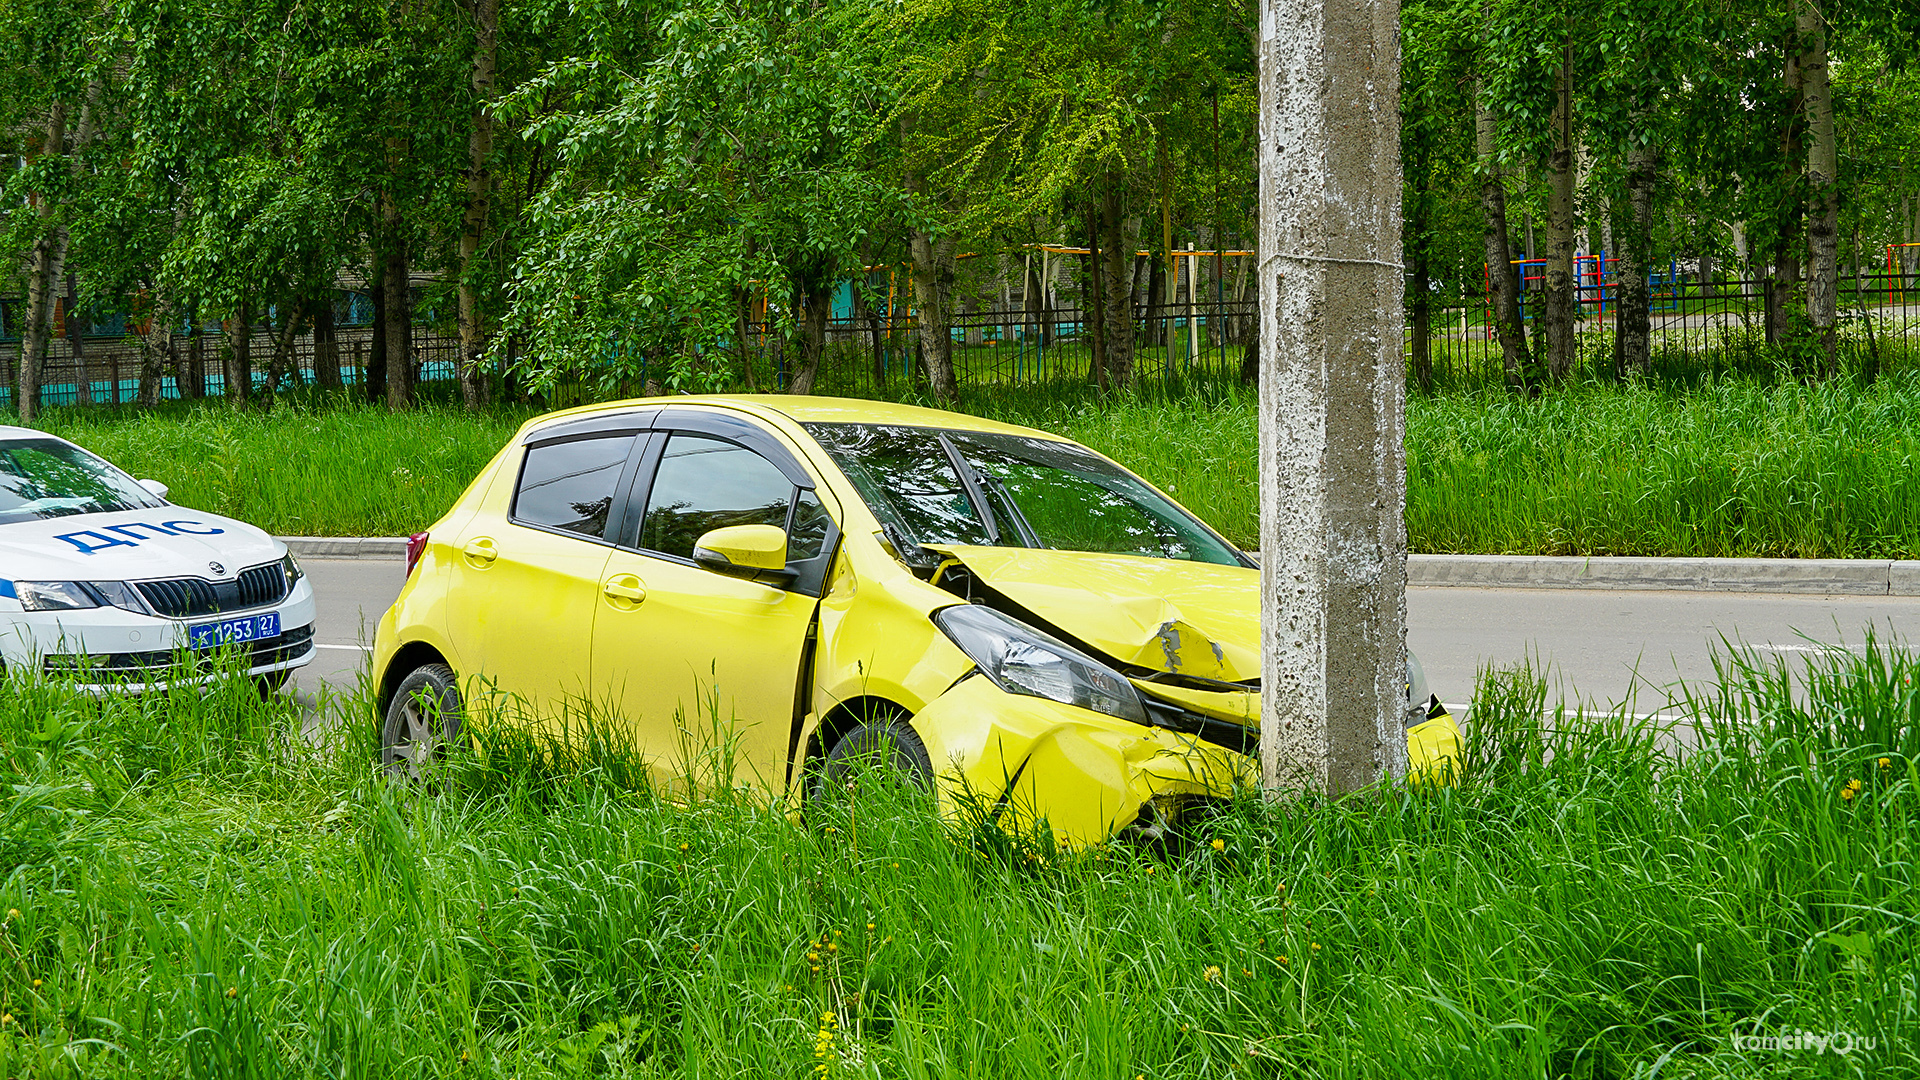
(1332, 396)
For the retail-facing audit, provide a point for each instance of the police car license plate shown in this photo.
(234, 631)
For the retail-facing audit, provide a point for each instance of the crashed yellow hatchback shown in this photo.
(1012, 619)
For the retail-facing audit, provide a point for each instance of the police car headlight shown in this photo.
(1022, 660)
(291, 568)
(54, 595)
(120, 595)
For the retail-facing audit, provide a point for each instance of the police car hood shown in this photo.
(1189, 618)
(133, 545)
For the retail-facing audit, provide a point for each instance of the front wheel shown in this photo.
(888, 749)
(423, 722)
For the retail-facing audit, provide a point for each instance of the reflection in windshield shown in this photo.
(1038, 493)
(44, 478)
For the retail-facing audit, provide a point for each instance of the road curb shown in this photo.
(389, 548)
(1827, 577)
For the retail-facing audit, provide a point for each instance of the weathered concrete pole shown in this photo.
(1332, 396)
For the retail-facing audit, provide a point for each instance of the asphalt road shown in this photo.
(1600, 646)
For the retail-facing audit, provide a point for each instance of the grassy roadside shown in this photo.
(1736, 466)
(189, 892)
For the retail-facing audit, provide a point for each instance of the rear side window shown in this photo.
(704, 484)
(570, 485)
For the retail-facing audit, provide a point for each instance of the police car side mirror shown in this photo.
(156, 487)
(756, 552)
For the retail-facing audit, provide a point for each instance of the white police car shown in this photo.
(102, 578)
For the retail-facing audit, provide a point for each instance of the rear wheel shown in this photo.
(422, 723)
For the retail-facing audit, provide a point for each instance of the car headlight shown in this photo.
(1022, 660)
(54, 595)
(290, 567)
(1419, 696)
(78, 595)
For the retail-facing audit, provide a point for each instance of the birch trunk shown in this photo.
(1561, 309)
(473, 338)
(1503, 281)
(1823, 167)
(1634, 315)
(44, 263)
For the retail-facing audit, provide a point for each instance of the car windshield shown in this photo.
(967, 487)
(46, 478)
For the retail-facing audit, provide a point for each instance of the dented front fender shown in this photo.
(1025, 761)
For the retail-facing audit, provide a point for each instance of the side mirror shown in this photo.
(757, 552)
(156, 487)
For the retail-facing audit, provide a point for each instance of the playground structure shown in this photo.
(1596, 285)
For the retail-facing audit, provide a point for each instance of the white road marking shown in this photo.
(351, 648)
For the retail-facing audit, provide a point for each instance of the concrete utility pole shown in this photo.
(1332, 396)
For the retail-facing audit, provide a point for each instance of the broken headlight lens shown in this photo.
(1022, 660)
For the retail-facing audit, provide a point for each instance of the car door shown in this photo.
(706, 668)
(525, 582)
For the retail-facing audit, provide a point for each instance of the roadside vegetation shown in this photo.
(1723, 465)
(191, 890)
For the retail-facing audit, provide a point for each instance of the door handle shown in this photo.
(625, 587)
(481, 550)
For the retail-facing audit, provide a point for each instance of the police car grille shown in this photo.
(261, 585)
(185, 598)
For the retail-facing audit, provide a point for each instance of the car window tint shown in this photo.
(808, 535)
(42, 478)
(904, 476)
(705, 484)
(570, 485)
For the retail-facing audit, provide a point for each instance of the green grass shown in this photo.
(1732, 465)
(191, 891)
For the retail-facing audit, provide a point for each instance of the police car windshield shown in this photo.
(967, 487)
(45, 478)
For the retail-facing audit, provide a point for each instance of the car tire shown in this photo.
(882, 746)
(422, 724)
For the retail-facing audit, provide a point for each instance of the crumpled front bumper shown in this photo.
(1021, 761)
(1024, 760)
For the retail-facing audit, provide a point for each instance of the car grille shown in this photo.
(290, 645)
(183, 598)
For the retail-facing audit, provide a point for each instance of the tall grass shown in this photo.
(191, 892)
(1728, 465)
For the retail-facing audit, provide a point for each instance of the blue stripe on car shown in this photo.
(6, 589)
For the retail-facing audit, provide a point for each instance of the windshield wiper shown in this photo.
(1020, 522)
(975, 493)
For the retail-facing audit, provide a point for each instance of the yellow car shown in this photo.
(786, 584)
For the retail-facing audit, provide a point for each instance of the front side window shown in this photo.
(905, 476)
(46, 478)
(570, 485)
(704, 484)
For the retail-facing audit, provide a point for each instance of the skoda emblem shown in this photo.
(218, 570)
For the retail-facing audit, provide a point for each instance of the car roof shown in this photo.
(815, 410)
(7, 433)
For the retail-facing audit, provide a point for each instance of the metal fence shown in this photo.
(1693, 322)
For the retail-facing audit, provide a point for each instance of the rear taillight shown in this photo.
(416, 547)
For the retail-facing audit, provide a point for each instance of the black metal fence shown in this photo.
(1708, 323)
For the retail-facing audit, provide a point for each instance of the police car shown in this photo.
(104, 581)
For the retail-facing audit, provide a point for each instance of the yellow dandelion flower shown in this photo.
(1886, 763)
(1315, 946)
(1149, 870)
(869, 928)
(1281, 960)
(1852, 789)
(813, 956)
(233, 991)
(1212, 974)
(683, 847)
(1219, 844)
(36, 984)
(833, 946)
(13, 913)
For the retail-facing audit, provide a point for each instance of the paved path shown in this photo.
(1595, 639)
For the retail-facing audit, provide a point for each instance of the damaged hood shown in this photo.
(1189, 618)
